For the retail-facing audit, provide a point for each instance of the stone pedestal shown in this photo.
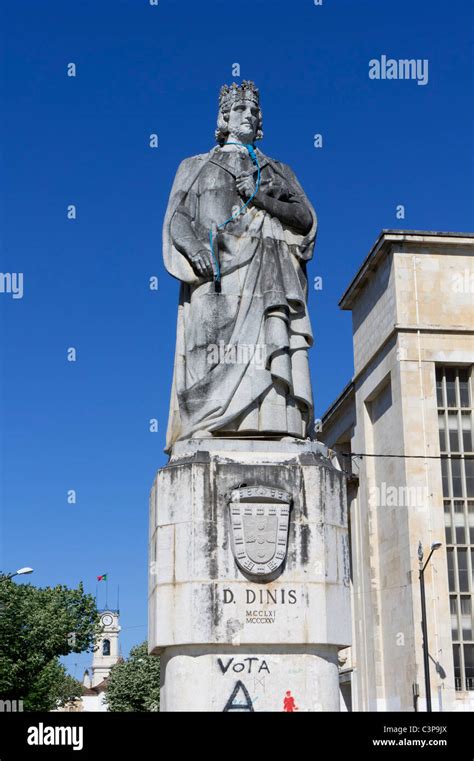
(249, 576)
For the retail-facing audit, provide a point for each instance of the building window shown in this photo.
(454, 391)
(106, 647)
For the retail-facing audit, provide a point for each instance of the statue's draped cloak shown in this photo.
(241, 364)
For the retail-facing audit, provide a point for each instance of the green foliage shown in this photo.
(134, 684)
(52, 687)
(37, 626)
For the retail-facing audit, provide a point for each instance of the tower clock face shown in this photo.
(107, 620)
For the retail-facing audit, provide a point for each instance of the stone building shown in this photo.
(403, 428)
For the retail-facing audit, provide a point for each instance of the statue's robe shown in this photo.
(241, 364)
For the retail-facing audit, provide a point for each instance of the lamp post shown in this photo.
(20, 572)
(424, 627)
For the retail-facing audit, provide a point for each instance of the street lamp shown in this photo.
(424, 628)
(20, 572)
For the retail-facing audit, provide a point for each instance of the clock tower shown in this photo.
(107, 646)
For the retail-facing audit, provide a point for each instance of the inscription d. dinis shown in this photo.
(261, 596)
(259, 517)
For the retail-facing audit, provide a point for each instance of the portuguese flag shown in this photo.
(102, 578)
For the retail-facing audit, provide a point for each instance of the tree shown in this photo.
(134, 684)
(53, 687)
(37, 626)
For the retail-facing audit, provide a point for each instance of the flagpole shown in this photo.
(106, 590)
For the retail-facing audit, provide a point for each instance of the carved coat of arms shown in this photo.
(259, 519)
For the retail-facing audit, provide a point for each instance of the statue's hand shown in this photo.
(276, 188)
(245, 186)
(201, 263)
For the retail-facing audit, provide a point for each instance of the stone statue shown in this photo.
(241, 364)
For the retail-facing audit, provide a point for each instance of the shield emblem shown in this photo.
(259, 520)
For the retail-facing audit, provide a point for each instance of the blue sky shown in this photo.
(140, 70)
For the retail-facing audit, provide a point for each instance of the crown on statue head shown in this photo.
(230, 94)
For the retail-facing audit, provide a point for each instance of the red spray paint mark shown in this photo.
(289, 704)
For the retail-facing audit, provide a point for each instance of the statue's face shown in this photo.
(243, 120)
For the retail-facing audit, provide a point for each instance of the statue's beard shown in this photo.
(245, 134)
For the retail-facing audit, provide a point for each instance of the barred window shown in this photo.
(454, 392)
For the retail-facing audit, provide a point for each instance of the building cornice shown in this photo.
(383, 246)
(345, 394)
(460, 329)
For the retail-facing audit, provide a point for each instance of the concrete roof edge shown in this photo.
(382, 245)
(345, 393)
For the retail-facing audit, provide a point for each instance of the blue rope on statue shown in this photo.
(253, 156)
